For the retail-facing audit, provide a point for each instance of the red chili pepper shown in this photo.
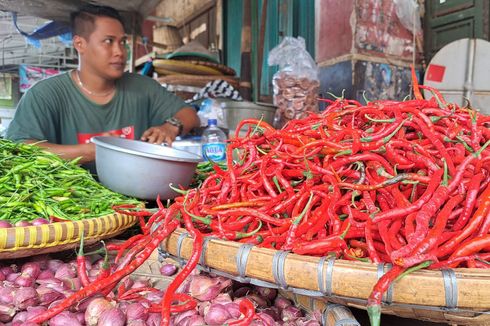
(370, 244)
(128, 243)
(261, 216)
(471, 195)
(320, 246)
(247, 308)
(255, 239)
(250, 203)
(82, 265)
(189, 303)
(481, 264)
(55, 219)
(374, 300)
(398, 178)
(297, 218)
(355, 254)
(430, 242)
(392, 234)
(417, 205)
(132, 252)
(454, 262)
(105, 267)
(472, 246)
(273, 241)
(186, 270)
(128, 293)
(476, 220)
(258, 123)
(141, 214)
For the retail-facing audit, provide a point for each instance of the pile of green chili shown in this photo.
(203, 171)
(35, 183)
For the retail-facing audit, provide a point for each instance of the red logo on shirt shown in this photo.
(126, 132)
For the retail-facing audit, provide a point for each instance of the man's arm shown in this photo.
(68, 152)
(166, 133)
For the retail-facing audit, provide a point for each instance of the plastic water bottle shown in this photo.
(213, 142)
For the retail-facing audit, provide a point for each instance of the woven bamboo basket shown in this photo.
(27, 241)
(168, 35)
(458, 296)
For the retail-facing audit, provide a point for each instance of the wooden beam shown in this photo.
(147, 7)
(196, 14)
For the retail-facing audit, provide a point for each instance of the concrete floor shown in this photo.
(390, 320)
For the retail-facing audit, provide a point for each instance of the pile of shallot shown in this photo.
(30, 287)
(219, 300)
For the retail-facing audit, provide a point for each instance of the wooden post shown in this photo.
(245, 85)
(260, 48)
(134, 42)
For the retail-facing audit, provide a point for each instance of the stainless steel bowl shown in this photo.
(141, 169)
(234, 112)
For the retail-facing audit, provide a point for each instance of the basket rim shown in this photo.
(25, 241)
(451, 288)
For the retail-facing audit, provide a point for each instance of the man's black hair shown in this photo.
(83, 20)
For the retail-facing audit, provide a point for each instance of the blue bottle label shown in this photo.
(214, 151)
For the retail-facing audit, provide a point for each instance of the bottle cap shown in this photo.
(212, 122)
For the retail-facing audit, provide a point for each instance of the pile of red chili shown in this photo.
(401, 182)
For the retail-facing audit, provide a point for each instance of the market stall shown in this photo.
(290, 219)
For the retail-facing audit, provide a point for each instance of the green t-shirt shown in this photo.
(55, 110)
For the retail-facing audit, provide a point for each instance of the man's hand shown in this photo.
(165, 133)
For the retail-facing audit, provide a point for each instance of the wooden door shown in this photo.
(284, 18)
(450, 20)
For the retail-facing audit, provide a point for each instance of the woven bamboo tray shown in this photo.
(455, 295)
(173, 67)
(27, 241)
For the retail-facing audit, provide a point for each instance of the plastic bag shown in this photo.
(405, 11)
(211, 109)
(296, 83)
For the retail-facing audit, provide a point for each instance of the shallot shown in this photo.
(153, 319)
(136, 311)
(7, 294)
(25, 297)
(168, 269)
(216, 315)
(95, 309)
(112, 317)
(22, 223)
(291, 313)
(7, 312)
(65, 318)
(39, 221)
(65, 271)
(5, 224)
(195, 320)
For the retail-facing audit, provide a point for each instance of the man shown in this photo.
(63, 112)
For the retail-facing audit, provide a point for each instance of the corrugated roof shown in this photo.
(59, 9)
(34, 13)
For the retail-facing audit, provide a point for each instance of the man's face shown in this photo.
(104, 51)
